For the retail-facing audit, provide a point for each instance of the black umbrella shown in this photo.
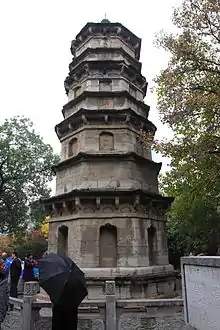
(62, 279)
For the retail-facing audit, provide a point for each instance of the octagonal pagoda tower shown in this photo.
(107, 213)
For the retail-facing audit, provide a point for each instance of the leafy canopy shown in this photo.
(25, 171)
(188, 93)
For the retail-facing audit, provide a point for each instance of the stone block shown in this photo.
(201, 291)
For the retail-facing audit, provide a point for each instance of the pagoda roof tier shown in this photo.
(85, 69)
(102, 94)
(100, 156)
(106, 116)
(107, 29)
(106, 52)
(142, 202)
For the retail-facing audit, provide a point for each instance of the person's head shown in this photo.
(29, 256)
(2, 265)
(4, 255)
(14, 254)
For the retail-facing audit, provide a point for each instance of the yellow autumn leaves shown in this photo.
(44, 228)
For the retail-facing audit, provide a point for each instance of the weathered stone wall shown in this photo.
(132, 238)
(88, 140)
(115, 83)
(114, 102)
(107, 174)
(102, 41)
(201, 289)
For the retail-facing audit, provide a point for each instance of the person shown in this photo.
(29, 265)
(7, 261)
(2, 270)
(64, 317)
(15, 273)
(3, 292)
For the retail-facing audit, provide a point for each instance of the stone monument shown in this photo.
(107, 214)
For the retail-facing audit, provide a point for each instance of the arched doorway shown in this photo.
(152, 245)
(62, 248)
(108, 246)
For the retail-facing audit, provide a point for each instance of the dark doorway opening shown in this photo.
(63, 241)
(152, 246)
(108, 246)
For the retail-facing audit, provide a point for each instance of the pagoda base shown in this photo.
(132, 283)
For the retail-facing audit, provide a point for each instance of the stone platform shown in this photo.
(132, 283)
(33, 312)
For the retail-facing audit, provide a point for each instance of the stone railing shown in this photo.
(30, 313)
(201, 291)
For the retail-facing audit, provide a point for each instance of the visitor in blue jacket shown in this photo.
(7, 261)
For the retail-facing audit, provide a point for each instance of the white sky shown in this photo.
(35, 37)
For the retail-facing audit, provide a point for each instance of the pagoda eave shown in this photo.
(103, 116)
(76, 60)
(93, 193)
(104, 94)
(91, 157)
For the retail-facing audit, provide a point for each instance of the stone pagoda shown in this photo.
(107, 214)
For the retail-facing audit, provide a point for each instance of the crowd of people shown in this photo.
(59, 276)
(13, 268)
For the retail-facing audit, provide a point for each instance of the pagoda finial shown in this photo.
(105, 20)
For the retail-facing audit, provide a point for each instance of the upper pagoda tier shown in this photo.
(100, 135)
(105, 72)
(120, 37)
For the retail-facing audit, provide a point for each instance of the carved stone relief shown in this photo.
(110, 288)
(137, 323)
(106, 103)
(31, 288)
(12, 321)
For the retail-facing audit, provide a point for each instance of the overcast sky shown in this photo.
(35, 39)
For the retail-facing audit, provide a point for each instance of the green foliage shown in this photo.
(33, 243)
(25, 171)
(37, 213)
(188, 101)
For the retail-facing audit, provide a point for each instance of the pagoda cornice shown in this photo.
(86, 68)
(100, 156)
(72, 204)
(108, 30)
(108, 193)
(85, 117)
(76, 60)
(103, 94)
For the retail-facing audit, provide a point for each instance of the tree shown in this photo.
(25, 171)
(188, 93)
(44, 228)
(37, 213)
(33, 242)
